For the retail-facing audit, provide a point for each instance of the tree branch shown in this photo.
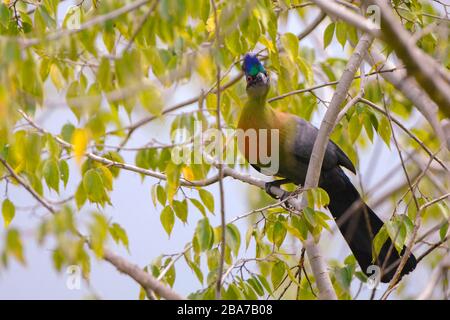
(426, 71)
(219, 165)
(26, 43)
(143, 278)
(336, 10)
(410, 90)
(318, 266)
(125, 166)
(27, 186)
(146, 280)
(141, 25)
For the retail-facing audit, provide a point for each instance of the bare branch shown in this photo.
(426, 71)
(27, 186)
(410, 90)
(438, 272)
(335, 10)
(219, 165)
(141, 25)
(140, 276)
(132, 270)
(97, 20)
(125, 166)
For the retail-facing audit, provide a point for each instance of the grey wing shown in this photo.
(304, 143)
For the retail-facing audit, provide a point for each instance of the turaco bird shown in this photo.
(356, 221)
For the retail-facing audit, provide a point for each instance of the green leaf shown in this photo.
(322, 198)
(51, 174)
(290, 42)
(279, 233)
(341, 32)
(199, 206)
(181, 209)
(309, 215)
(67, 132)
(167, 219)
(173, 180)
(204, 234)
(354, 128)
(233, 238)
(119, 234)
(256, 285)
(107, 177)
(53, 146)
(151, 100)
(300, 224)
(368, 126)
(114, 156)
(232, 292)
(80, 196)
(378, 242)
(99, 231)
(278, 271)
(352, 34)
(161, 194)
(4, 15)
(248, 236)
(64, 171)
(8, 211)
(207, 199)
(443, 231)
(195, 268)
(249, 293)
(153, 194)
(328, 35)
(93, 186)
(109, 38)
(14, 245)
(265, 283)
(104, 74)
(171, 273)
(58, 259)
(384, 129)
(213, 259)
(306, 70)
(397, 233)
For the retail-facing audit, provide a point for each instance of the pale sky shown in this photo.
(133, 210)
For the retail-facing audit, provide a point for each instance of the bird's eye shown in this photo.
(249, 78)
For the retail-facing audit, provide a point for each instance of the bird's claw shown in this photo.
(268, 187)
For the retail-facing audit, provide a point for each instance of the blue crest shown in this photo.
(252, 66)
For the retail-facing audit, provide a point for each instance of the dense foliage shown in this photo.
(117, 70)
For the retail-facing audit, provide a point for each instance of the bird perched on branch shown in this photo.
(356, 221)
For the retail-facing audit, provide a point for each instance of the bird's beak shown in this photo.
(262, 78)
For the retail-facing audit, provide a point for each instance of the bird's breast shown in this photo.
(262, 138)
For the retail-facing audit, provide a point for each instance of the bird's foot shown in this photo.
(276, 195)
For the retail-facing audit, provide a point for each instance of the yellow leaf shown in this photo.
(188, 174)
(210, 24)
(267, 43)
(80, 140)
(57, 77)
